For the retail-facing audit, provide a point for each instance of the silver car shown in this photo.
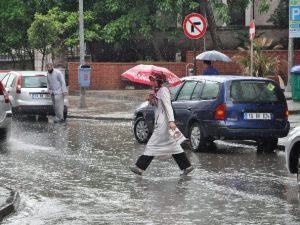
(5, 114)
(292, 152)
(29, 94)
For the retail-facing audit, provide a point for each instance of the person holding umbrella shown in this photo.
(209, 69)
(161, 142)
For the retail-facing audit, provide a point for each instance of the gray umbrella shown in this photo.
(213, 56)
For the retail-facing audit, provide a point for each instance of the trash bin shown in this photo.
(84, 75)
(295, 82)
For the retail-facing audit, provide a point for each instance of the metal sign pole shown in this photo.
(81, 42)
(194, 57)
(251, 59)
(290, 62)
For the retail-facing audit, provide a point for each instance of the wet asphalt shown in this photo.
(78, 174)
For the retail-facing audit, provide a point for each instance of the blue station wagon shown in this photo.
(209, 108)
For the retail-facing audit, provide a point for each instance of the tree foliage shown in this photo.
(263, 64)
(42, 34)
(122, 27)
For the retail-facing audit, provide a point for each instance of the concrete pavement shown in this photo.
(120, 105)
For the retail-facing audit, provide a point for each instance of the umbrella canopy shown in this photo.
(213, 56)
(141, 73)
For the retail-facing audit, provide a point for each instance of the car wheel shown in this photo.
(141, 130)
(197, 141)
(298, 170)
(4, 134)
(267, 145)
(65, 113)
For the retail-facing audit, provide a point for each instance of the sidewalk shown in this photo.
(120, 105)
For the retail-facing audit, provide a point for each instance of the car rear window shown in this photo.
(255, 91)
(35, 82)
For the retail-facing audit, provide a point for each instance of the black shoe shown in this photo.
(187, 170)
(59, 121)
(136, 170)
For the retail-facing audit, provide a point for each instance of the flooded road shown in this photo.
(78, 174)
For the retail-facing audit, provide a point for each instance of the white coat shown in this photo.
(161, 143)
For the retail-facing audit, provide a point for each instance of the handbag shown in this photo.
(177, 135)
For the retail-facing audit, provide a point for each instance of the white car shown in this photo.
(292, 150)
(5, 114)
(29, 94)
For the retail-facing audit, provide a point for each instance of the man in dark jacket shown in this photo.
(208, 69)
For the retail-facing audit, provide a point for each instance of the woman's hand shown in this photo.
(172, 125)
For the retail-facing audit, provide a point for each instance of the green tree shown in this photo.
(280, 15)
(263, 64)
(15, 19)
(42, 34)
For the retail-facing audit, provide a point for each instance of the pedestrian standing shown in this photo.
(161, 142)
(57, 89)
(209, 69)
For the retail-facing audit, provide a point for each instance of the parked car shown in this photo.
(292, 151)
(3, 74)
(5, 114)
(29, 95)
(208, 108)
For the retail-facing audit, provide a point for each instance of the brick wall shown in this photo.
(107, 76)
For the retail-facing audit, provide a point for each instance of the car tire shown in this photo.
(298, 171)
(65, 113)
(267, 145)
(141, 130)
(4, 134)
(196, 138)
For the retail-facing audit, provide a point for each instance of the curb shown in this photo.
(11, 205)
(101, 118)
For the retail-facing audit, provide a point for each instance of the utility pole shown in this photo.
(82, 51)
(252, 32)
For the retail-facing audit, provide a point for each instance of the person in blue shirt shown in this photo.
(208, 69)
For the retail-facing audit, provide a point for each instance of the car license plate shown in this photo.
(257, 116)
(40, 95)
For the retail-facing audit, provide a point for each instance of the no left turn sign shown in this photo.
(194, 26)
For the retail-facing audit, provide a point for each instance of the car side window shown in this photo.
(210, 90)
(186, 91)
(4, 80)
(10, 80)
(197, 92)
(174, 90)
(13, 82)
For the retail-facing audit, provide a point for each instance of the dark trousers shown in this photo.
(181, 159)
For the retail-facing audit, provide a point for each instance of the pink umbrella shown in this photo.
(141, 73)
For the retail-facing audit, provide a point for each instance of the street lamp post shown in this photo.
(82, 51)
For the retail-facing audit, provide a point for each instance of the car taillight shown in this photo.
(4, 92)
(220, 112)
(19, 84)
(286, 113)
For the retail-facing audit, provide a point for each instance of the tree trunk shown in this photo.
(156, 47)
(217, 44)
(31, 56)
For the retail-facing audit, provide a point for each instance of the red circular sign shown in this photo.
(194, 26)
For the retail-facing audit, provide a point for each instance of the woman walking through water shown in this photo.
(161, 142)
